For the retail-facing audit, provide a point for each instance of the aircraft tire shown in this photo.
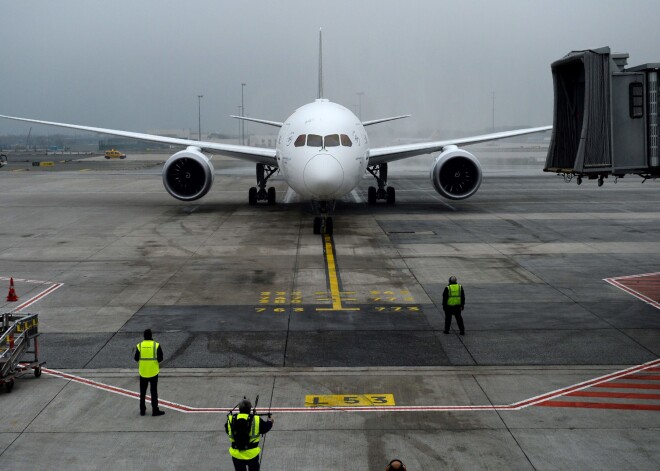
(252, 196)
(391, 195)
(271, 195)
(371, 195)
(328, 225)
(317, 225)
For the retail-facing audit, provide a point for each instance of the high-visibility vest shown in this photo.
(253, 440)
(148, 364)
(454, 294)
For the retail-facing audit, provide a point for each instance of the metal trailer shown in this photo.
(19, 332)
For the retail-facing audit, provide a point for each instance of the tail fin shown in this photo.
(320, 63)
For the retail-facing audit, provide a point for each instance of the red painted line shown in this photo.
(618, 395)
(642, 377)
(38, 297)
(628, 386)
(538, 400)
(638, 295)
(600, 405)
(654, 369)
(583, 385)
(638, 281)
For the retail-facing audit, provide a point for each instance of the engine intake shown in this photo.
(456, 174)
(188, 174)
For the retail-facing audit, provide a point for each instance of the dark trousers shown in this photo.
(454, 311)
(249, 465)
(153, 381)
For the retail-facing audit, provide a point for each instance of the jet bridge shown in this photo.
(605, 117)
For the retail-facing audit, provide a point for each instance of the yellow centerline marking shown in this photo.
(333, 279)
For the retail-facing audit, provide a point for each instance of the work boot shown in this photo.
(142, 412)
(446, 331)
(462, 333)
(158, 412)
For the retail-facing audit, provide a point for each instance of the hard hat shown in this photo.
(452, 279)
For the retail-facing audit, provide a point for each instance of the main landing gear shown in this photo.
(264, 172)
(383, 192)
(323, 223)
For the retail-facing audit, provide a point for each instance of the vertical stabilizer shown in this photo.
(320, 63)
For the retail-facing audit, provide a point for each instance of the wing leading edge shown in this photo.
(381, 155)
(251, 154)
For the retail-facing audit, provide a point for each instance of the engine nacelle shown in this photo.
(456, 174)
(188, 174)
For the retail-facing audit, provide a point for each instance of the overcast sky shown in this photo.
(140, 64)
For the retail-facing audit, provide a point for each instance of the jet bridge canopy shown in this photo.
(605, 116)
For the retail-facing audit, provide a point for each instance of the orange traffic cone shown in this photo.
(11, 297)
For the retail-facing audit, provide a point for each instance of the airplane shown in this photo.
(322, 153)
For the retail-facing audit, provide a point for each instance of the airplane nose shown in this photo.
(323, 175)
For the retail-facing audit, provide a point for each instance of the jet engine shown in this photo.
(456, 174)
(188, 174)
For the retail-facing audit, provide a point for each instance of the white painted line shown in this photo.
(38, 297)
(356, 196)
(614, 282)
(312, 410)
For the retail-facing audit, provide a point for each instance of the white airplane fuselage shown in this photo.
(322, 151)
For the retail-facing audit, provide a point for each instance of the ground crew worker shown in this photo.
(148, 354)
(396, 465)
(453, 302)
(245, 430)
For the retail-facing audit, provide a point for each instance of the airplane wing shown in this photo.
(251, 154)
(381, 155)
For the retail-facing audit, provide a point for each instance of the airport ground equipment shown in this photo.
(605, 117)
(19, 332)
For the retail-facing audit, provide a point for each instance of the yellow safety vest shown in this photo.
(254, 438)
(454, 295)
(148, 364)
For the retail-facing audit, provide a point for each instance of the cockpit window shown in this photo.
(314, 140)
(300, 141)
(331, 140)
(346, 141)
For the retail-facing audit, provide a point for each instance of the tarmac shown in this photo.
(341, 337)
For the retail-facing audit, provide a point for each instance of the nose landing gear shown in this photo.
(323, 224)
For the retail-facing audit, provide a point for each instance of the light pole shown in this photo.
(242, 114)
(493, 111)
(240, 123)
(199, 115)
(359, 94)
